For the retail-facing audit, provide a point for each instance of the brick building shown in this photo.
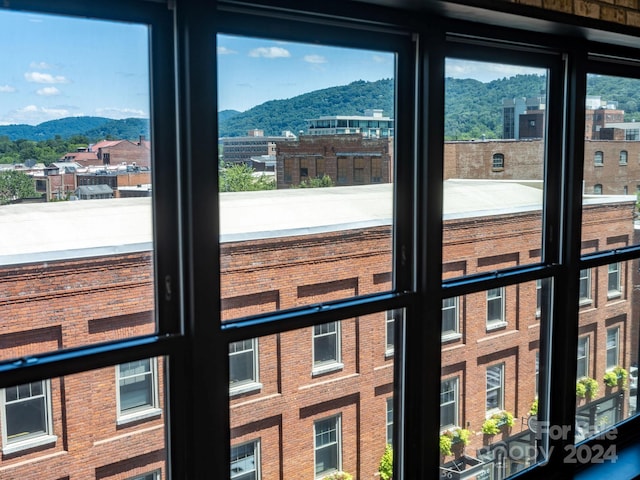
(348, 159)
(334, 380)
(113, 152)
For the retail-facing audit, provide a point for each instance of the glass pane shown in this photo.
(611, 153)
(607, 377)
(75, 158)
(494, 155)
(306, 169)
(79, 418)
(302, 421)
(490, 381)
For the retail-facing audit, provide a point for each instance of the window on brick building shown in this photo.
(288, 170)
(583, 357)
(245, 461)
(598, 158)
(376, 170)
(343, 168)
(498, 161)
(623, 157)
(495, 388)
(613, 347)
(137, 390)
(359, 166)
(537, 372)
(495, 307)
(450, 316)
(538, 297)
(449, 403)
(613, 280)
(321, 169)
(243, 365)
(149, 476)
(26, 416)
(597, 189)
(392, 316)
(585, 286)
(326, 347)
(390, 421)
(327, 445)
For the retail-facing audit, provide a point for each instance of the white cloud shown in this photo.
(7, 89)
(486, 72)
(33, 115)
(270, 52)
(114, 112)
(48, 91)
(315, 59)
(225, 51)
(380, 59)
(40, 65)
(38, 77)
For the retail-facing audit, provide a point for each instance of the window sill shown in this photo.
(137, 416)
(29, 444)
(389, 353)
(245, 388)
(331, 367)
(495, 326)
(450, 337)
(585, 302)
(614, 294)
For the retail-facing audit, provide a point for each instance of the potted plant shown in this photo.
(454, 440)
(587, 387)
(616, 377)
(386, 463)
(338, 476)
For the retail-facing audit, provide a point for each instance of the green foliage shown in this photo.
(386, 464)
(492, 425)
(587, 386)
(533, 410)
(239, 178)
(338, 476)
(15, 185)
(448, 438)
(615, 377)
(316, 182)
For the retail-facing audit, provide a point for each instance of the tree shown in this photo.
(240, 178)
(15, 185)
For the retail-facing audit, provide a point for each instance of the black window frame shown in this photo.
(187, 306)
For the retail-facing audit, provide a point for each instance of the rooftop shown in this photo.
(62, 230)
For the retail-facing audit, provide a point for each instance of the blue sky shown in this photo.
(54, 67)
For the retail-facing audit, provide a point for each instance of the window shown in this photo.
(376, 170)
(623, 157)
(613, 280)
(495, 307)
(495, 388)
(585, 286)
(498, 161)
(326, 347)
(148, 476)
(327, 445)
(537, 372)
(597, 189)
(26, 416)
(392, 316)
(598, 158)
(390, 421)
(137, 390)
(449, 403)
(450, 317)
(243, 365)
(343, 166)
(538, 297)
(245, 461)
(359, 170)
(288, 170)
(612, 347)
(583, 357)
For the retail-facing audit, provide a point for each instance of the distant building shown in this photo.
(370, 125)
(94, 192)
(255, 144)
(521, 117)
(113, 152)
(348, 159)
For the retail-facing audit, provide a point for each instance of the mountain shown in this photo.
(276, 116)
(96, 128)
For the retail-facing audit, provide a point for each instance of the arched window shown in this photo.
(623, 157)
(598, 158)
(597, 189)
(498, 161)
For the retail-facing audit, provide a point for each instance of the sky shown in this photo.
(54, 67)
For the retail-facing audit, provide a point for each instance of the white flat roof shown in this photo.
(59, 230)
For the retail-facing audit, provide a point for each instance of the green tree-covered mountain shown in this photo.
(276, 116)
(95, 128)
